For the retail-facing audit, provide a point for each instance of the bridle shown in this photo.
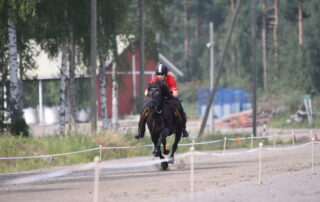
(152, 90)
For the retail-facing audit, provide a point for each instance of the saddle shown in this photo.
(174, 108)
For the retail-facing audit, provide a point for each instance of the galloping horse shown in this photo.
(161, 120)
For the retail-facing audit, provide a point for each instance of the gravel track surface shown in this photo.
(286, 176)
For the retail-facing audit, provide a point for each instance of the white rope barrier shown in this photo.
(97, 148)
(105, 165)
(100, 148)
(35, 178)
(289, 148)
(126, 147)
(108, 165)
(49, 155)
(200, 143)
(225, 154)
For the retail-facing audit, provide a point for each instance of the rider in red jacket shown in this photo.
(162, 74)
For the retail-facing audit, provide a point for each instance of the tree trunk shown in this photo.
(15, 110)
(93, 56)
(103, 92)
(115, 86)
(63, 72)
(186, 37)
(232, 5)
(72, 85)
(142, 40)
(275, 29)
(300, 21)
(253, 63)
(264, 45)
(114, 96)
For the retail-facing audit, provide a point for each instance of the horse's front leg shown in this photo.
(162, 135)
(142, 123)
(166, 151)
(175, 146)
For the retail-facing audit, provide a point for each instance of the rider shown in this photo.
(162, 74)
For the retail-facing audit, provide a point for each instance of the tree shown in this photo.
(16, 13)
(93, 64)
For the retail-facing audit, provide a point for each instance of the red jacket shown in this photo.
(170, 81)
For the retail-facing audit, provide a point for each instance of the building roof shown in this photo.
(49, 68)
(170, 65)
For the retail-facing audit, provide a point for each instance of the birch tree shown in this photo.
(103, 92)
(13, 66)
(72, 85)
(115, 85)
(63, 71)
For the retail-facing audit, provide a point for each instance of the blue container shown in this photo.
(226, 101)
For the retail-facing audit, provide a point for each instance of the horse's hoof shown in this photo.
(171, 160)
(156, 153)
(166, 152)
(137, 137)
(164, 165)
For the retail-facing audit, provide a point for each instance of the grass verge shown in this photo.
(12, 146)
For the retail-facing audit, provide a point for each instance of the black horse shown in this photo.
(160, 116)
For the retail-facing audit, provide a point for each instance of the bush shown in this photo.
(19, 126)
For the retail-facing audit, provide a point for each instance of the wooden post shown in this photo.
(186, 36)
(276, 21)
(253, 65)
(219, 69)
(300, 21)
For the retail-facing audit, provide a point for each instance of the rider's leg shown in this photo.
(142, 123)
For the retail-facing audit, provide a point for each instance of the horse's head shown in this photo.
(157, 91)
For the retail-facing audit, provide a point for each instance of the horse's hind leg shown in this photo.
(175, 146)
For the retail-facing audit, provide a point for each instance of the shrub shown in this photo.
(19, 126)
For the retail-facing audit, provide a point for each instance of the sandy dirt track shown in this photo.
(286, 176)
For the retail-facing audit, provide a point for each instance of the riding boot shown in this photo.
(183, 124)
(184, 131)
(182, 118)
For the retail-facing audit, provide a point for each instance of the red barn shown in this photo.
(129, 79)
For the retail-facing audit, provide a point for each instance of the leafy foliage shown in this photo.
(19, 127)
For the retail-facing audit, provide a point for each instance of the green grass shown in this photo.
(12, 146)
(191, 109)
(282, 122)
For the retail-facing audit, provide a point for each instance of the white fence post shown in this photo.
(251, 141)
(312, 156)
(260, 156)
(96, 179)
(224, 144)
(192, 170)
